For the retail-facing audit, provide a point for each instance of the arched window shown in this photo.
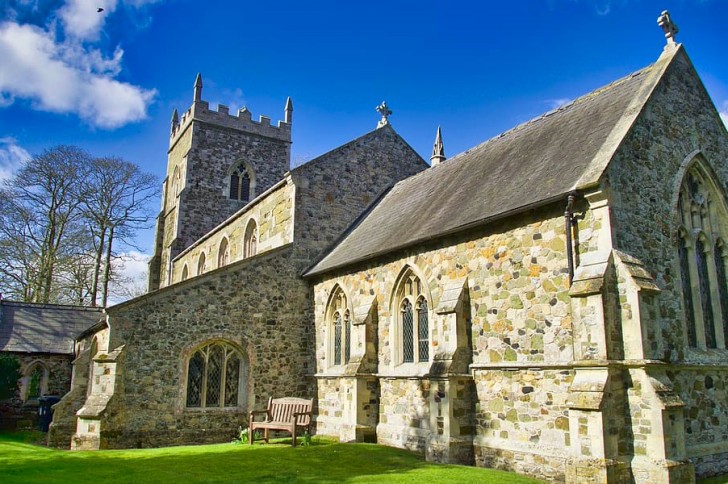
(339, 317)
(701, 258)
(36, 381)
(250, 240)
(241, 183)
(185, 273)
(201, 264)
(223, 253)
(214, 376)
(176, 182)
(412, 326)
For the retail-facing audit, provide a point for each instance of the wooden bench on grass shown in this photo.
(285, 414)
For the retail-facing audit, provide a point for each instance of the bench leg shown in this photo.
(251, 435)
(294, 436)
(265, 436)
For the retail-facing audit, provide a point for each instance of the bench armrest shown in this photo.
(296, 414)
(259, 412)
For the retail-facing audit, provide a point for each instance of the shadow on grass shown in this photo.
(323, 461)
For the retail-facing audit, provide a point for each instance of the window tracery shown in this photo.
(413, 328)
(214, 376)
(340, 328)
(240, 183)
(701, 259)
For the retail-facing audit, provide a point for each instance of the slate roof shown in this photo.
(43, 328)
(538, 162)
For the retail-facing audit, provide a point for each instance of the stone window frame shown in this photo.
(185, 273)
(411, 288)
(240, 167)
(702, 217)
(338, 308)
(26, 383)
(229, 349)
(201, 263)
(250, 238)
(223, 252)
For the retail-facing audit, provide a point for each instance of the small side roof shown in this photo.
(43, 328)
(533, 164)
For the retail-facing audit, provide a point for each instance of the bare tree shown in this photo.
(115, 204)
(43, 199)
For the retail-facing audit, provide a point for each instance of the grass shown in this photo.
(23, 460)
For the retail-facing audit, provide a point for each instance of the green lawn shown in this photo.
(323, 461)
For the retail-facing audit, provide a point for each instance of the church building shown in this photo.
(553, 301)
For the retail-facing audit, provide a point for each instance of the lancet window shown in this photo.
(213, 376)
(37, 381)
(339, 317)
(201, 263)
(250, 240)
(223, 253)
(702, 260)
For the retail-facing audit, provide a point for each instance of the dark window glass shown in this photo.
(722, 289)
(194, 380)
(34, 386)
(232, 380)
(337, 338)
(423, 331)
(245, 187)
(408, 348)
(234, 185)
(347, 337)
(687, 293)
(214, 376)
(705, 300)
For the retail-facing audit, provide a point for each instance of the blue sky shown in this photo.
(108, 81)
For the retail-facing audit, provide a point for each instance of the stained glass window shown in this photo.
(414, 330)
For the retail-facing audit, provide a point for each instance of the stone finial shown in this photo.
(438, 149)
(288, 111)
(385, 112)
(175, 119)
(668, 26)
(198, 88)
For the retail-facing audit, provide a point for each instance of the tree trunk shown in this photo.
(107, 268)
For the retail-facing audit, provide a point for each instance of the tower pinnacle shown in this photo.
(198, 88)
(288, 111)
(438, 149)
(175, 119)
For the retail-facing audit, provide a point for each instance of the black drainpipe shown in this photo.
(568, 220)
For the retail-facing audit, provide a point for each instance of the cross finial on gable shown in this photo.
(668, 26)
(385, 112)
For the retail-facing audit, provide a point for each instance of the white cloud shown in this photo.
(66, 77)
(724, 113)
(12, 157)
(130, 276)
(81, 18)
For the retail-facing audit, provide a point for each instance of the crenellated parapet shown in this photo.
(242, 121)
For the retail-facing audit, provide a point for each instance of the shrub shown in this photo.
(9, 376)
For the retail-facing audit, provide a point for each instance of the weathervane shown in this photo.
(385, 112)
(668, 26)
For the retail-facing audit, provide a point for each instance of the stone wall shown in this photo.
(678, 124)
(273, 216)
(21, 411)
(204, 148)
(516, 330)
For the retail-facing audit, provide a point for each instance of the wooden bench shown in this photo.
(285, 414)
